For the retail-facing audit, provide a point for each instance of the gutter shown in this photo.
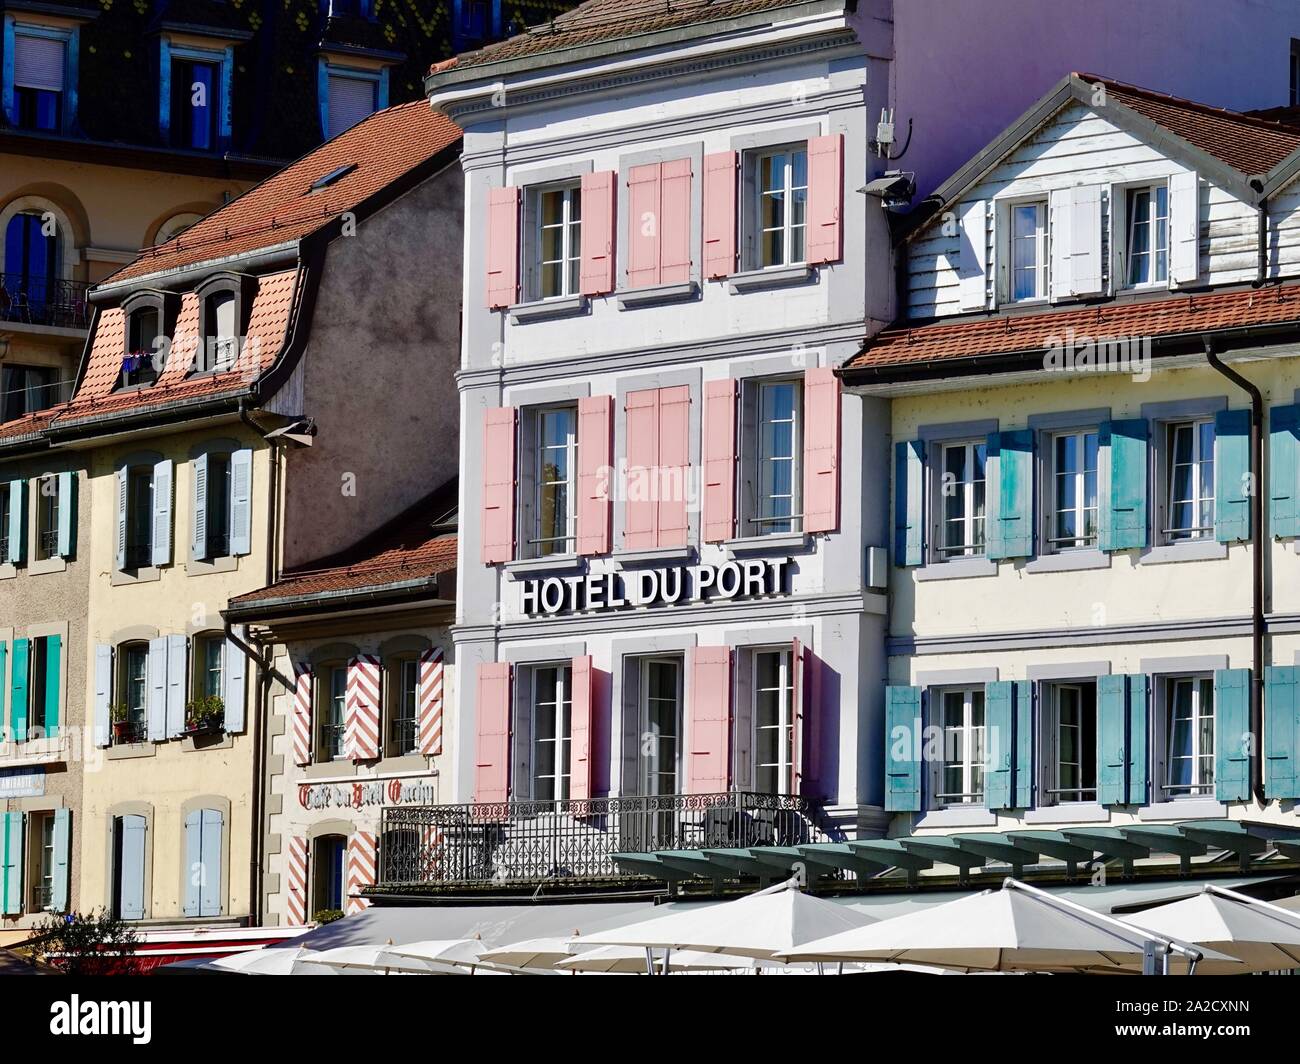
(265, 610)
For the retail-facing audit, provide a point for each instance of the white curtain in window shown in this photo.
(351, 100)
(38, 63)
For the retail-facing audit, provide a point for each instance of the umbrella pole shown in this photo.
(649, 961)
(668, 959)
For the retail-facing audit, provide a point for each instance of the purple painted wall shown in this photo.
(965, 69)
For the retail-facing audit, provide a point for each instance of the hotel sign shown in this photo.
(594, 592)
(361, 795)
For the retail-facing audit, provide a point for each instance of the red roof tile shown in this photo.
(940, 341)
(28, 424)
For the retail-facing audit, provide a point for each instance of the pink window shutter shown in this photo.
(429, 701)
(595, 473)
(498, 517)
(302, 692)
(295, 871)
(720, 214)
(363, 865)
(719, 460)
(674, 465)
(361, 706)
(642, 414)
(821, 450)
(492, 750)
(825, 199)
(708, 771)
(503, 247)
(675, 222)
(582, 729)
(643, 225)
(598, 214)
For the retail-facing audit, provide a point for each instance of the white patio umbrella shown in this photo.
(292, 960)
(1264, 936)
(632, 959)
(532, 952)
(370, 959)
(463, 952)
(1016, 928)
(764, 924)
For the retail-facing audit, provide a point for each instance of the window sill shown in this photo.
(324, 770)
(8, 571)
(654, 295)
(1068, 561)
(34, 752)
(127, 751)
(144, 575)
(561, 563)
(776, 277)
(957, 818)
(198, 743)
(542, 309)
(1194, 550)
(57, 564)
(1184, 809)
(957, 569)
(1069, 813)
(654, 556)
(777, 543)
(200, 566)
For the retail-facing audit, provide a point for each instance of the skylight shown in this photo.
(332, 176)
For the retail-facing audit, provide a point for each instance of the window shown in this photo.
(552, 732)
(474, 21)
(39, 69)
(960, 769)
(1070, 742)
(961, 491)
(1029, 254)
(1148, 235)
(47, 518)
(403, 688)
(774, 721)
(41, 867)
(131, 711)
(209, 651)
(332, 716)
(128, 882)
(1072, 522)
(221, 342)
(554, 509)
(778, 458)
(140, 367)
(27, 389)
(1189, 736)
(139, 517)
(37, 680)
(216, 511)
(32, 269)
(556, 239)
(196, 99)
(329, 852)
(661, 724)
(1189, 480)
(782, 206)
(351, 98)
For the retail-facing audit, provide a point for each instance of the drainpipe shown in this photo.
(1257, 565)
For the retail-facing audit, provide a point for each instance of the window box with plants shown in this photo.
(125, 729)
(205, 716)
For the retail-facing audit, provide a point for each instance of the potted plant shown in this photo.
(122, 725)
(205, 715)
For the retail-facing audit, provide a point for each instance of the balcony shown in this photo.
(428, 849)
(36, 301)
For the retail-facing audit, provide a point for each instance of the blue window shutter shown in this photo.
(199, 480)
(131, 867)
(1284, 471)
(177, 673)
(1014, 512)
(1139, 726)
(67, 514)
(17, 521)
(53, 674)
(1112, 744)
(902, 749)
(1232, 735)
(909, 503)
(992, 499)
(193, 862)
(156, 697)
(210, 853)
(233, 665)
(103, 692)
(1024, 731)
(162, 512)
(241, 501)
(18, 691)
(1281, 732)
(999, 743)
(1231, 476)
(62, 860)
(11, 886)
(1124, 523)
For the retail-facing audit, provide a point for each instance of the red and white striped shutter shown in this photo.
(710, 721)
(825, 199)
(598, 215)
(821, 450)
(719, 460)
(642, 414)
(595, 472)
(582, 729)
(798, 710)
(492, 750)
(498, 517)
(503, 247)
(675, 222)
(295, 872)
(362, 869)
(720, 214)
(644, 224)
(361, 709)
(674, 465)
(301, 713)
(429, 701)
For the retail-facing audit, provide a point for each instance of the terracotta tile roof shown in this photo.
(939, 341)
(268, 324)
(28, 424)
(604, 20)
(283, 208)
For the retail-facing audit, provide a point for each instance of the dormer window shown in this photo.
(221, 345)
(1147, 210)
(1029, 251)
(139, 366)
(225, 300)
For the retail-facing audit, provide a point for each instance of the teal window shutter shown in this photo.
(1139, 728)
(909, 503)
(1284, 471)
(62, 860)
(130, 869)
(53, 674)
(999, 743)
(1112, 743)
(1124, 523)
(1024, 731)
(11, 871)
(67, 514)
(1013, 509)
(1232, 740)
(17, 521)
(18, 692)
(210, 854)
(3, 654)
(1232, 488)
(1281, 732)
(193, 861)
(992, 526)
(902, 749)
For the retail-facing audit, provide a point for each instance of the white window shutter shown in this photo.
(123, 479)
(162, 512)
(177, 645)
(1085, 240)
(972, 262)
(199, 538)
(1058, 238)
(241, 501)
(67, 513)
(17, 520)
(232, 673)
(157, 689)
(1184, 229)
(103, 691)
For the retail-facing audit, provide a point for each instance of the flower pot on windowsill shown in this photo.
(208, 727)
(123, 732)
(205, 716)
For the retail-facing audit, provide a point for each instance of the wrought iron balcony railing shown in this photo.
(38, 301)
(520, 842)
